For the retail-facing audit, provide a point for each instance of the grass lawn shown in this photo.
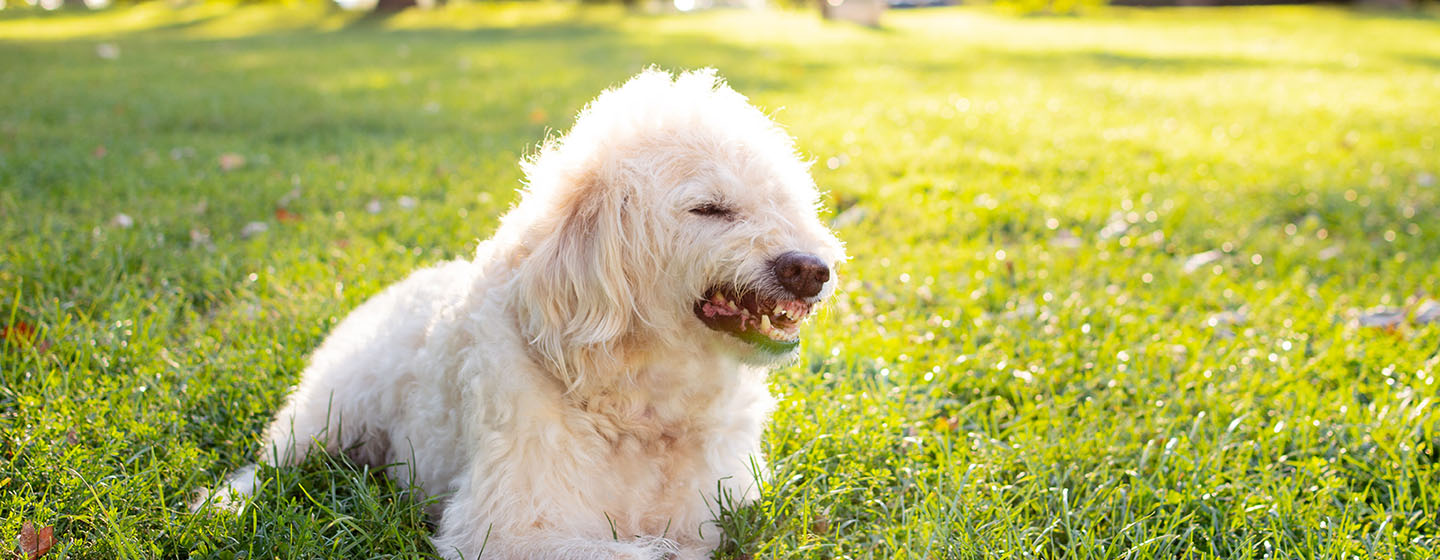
(1027, 359)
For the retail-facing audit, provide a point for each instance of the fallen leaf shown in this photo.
(21, 333)
(122, 221)
(18, 331)
(231, 161)
(1199, 260)
(71, 438)
(1428, 312)
(282, 215)
(47, 541)
(1382, 317)
(35, 544)
(253, 229)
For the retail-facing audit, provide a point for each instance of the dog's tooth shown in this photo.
(720, 299)
(765, 323)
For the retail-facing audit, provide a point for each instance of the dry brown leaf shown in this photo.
(282, 215)
(35, 544)
(21, 333)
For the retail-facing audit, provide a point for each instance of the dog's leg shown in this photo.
(490, 519)
(554, 546)
(292, 436)
(304, 424)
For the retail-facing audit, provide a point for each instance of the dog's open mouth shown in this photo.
(770, 323)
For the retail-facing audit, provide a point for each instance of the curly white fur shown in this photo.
(558, 392)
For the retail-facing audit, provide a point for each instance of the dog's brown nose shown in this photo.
(803, 274)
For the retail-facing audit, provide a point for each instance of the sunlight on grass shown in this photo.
(226, 20)
(74, 25)
(1145, 283)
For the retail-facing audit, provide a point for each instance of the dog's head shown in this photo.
(673, 217)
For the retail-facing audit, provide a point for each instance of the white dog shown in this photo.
(592, 384)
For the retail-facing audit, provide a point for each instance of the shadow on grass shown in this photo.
(1420, 60)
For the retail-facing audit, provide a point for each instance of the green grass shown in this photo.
(1018, 365)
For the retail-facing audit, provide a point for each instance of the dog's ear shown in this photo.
(574, 294)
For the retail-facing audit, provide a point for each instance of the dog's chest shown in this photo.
(654, 472)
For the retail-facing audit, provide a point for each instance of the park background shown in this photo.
(1126, 282)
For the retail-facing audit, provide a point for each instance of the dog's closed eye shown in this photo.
(714, 210)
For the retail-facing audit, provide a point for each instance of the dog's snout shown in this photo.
(803, 274)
